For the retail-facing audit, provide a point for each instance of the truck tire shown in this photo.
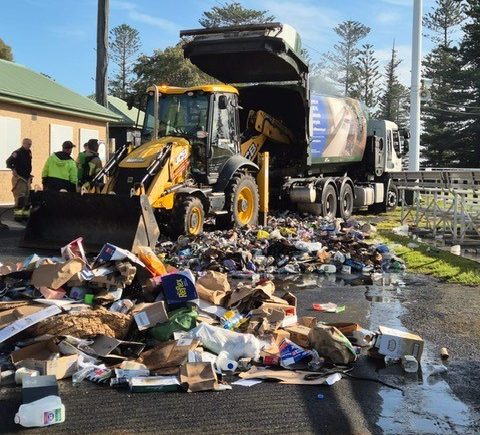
(392, 198)
(345, 201)
(390, 202)
(329, 201)
(188, 217)
(241, 203)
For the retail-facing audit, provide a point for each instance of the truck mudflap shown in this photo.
(255, 53)
(57, 218)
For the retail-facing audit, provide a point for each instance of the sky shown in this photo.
(58, 37)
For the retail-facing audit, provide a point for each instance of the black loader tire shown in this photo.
(241, 203)
(188, 217)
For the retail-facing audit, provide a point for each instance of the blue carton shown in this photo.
(179, 288)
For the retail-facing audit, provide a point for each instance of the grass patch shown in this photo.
(425, 259)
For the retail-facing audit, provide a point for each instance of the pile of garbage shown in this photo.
(187, 315)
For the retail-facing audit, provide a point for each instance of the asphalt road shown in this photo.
(430, 403)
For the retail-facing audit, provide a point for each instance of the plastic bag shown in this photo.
(235, 345)
(182, 319)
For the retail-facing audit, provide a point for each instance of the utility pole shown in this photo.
(102, 52)
(414, 153)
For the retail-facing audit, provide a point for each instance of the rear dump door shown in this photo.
(256, 53)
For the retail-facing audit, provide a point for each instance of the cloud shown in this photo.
(312, 21)
(135, 14)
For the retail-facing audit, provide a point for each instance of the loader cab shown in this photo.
(207, 116)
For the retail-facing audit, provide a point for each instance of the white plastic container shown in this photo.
(43, 412)
(409, 363)
(224, 363)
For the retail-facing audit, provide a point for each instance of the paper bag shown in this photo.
(168, 354)
(213, 287)
(198, 377)
(330, 343)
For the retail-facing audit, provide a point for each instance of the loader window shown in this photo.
(224, 136)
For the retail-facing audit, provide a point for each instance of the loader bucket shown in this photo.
(57, 218)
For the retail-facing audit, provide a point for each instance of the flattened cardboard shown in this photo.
(36, 357)
(394, 343)
(148, 384)
(55, 275)
(9, 316)
(27, 321)
(148, 315)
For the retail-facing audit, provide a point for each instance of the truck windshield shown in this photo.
(179, 115)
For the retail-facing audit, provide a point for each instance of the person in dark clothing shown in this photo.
(92, 164)
(20, 162)
(60, 170)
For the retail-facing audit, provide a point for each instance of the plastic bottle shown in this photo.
(232, 319)
(43, 412)
(224, 363)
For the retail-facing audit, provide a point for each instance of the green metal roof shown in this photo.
(20, 85)
(120, 108)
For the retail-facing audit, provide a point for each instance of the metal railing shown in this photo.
(446, 203)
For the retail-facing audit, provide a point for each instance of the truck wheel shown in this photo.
(392, 198)
(188, 217)
(345, 202)
(329, 201)
(241, 203)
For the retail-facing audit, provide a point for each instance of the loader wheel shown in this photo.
(188, 217)
(329, 201)
(345, 202)
(241, 203)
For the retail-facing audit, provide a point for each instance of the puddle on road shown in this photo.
(428, 404)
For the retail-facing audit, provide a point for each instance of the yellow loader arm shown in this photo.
(260, 127)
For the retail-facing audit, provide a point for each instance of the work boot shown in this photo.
(18, 214)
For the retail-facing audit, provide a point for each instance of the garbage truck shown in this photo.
(221, 150)
(336, 159)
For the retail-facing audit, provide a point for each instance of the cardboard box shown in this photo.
(394, 343)
(289, 310)
(9, 316)
(178, 288)
(148, 315)
(299, 335)
(307, 321)
(168, 354)
(36, 357)
(55, 275)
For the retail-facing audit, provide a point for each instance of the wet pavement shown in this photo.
(428, 404)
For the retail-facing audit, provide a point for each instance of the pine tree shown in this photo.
(392, 102)
(342, 63)
(368, 76)
(468, 148)
(441, 117)
(5, 51)
(233, 14)
(124, 45)
(168, 66)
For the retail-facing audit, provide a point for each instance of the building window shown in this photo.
(58, 135)
(10, 131)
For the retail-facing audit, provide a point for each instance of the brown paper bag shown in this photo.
(55, 275)
(213, 287)
(198, 377)
(168, 354)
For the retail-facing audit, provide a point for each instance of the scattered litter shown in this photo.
(329, 307)
(444, 353)
(247, 382)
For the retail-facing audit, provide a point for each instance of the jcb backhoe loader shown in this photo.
(189, 166)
